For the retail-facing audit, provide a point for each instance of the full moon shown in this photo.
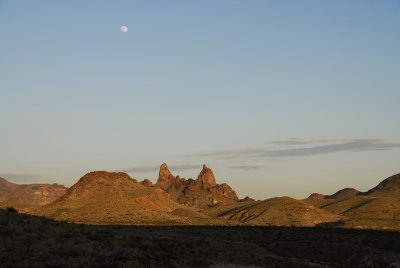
(124, 29)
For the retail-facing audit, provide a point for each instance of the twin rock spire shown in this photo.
(206, 175)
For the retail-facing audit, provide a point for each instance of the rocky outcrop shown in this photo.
(30, 194)
(204, 191)
(316, 196)
(164, 174)
(146, 183)
(247, 198)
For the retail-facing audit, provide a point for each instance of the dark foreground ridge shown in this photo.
(31, 241)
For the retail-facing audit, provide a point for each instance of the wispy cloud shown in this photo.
(327, 146)
(157, 168)
(229, 154)
(295, 141)
(248, 167)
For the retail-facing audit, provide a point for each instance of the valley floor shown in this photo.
(31, 241)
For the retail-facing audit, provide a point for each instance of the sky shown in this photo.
(279, 98)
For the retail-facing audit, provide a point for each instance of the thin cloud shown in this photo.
(336, 145)
(228, 154)
(157, 168)
(248, 167)
(332, 140)
(354, 145)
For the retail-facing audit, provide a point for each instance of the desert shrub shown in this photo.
(11, 210)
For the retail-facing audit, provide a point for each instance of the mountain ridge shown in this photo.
(103, 198)
(30, 194)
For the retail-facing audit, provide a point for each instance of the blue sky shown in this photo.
(277, 97)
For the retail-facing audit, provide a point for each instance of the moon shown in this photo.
(124, 29)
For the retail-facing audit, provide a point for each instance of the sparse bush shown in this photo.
(11, 210)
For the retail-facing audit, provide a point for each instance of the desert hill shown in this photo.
(281, 211)
(102, 197)
(378, 208)
(344, 194)
(29, 194)
(367, 212)
(389, 187)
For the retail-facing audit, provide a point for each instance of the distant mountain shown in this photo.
(29, 194)
(389, 187)
(202, 192)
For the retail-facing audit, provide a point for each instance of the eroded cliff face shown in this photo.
(202, 192)
(30, 194)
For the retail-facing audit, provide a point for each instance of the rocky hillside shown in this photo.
(29, 194)
(102, 197)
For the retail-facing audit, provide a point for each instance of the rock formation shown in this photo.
(202, 192)
(206, 176)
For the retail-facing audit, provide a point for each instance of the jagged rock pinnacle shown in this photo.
(164, 173)
(206, 176)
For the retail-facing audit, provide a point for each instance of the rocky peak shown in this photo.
(206, 176)
(164, 174)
